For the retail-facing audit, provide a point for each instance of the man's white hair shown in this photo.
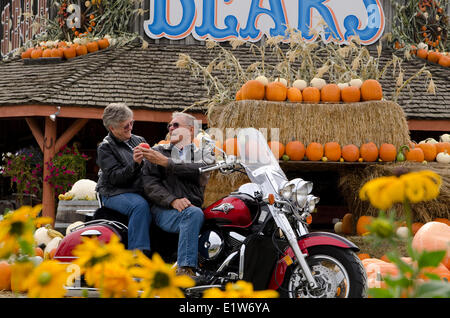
(188, 119)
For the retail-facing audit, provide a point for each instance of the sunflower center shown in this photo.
(161, 280)
(17, 228)
(44, 278)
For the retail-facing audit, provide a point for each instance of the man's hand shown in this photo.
(181, 204)
(138, 155)
(155, 157)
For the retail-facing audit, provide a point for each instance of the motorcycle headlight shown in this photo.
(302, 189)
(311, 202)
(286, 190)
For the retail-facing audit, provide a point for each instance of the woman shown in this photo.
(119, 184)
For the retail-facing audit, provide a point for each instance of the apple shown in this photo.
(144, 145)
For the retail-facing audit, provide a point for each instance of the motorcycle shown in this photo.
(258, 233)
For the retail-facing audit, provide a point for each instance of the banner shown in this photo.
(221, 20)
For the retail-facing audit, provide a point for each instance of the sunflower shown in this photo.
(414, 187)
(47, 280)
(115, 281)
(240, 289)
(158, 279)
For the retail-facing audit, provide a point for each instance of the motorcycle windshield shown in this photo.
(258, 160)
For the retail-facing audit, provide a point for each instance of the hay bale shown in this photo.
(220, 185)
(354, 123)
(352, 181)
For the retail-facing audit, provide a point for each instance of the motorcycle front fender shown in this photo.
(307, 241)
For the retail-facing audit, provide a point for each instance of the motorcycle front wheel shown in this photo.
(338, 272)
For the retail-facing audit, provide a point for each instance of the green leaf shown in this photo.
(432, 276)
(380, 293)
(398, 281)
(402, 266)
(433, 289)
(430, 259)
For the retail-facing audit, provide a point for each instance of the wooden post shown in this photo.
(48, 193)
(36, 131)
(70, 133)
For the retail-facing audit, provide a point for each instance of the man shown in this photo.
(120, 183)
(172, 181)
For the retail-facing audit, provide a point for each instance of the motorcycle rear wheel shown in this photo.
(338, 272)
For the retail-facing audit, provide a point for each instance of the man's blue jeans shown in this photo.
(188, 224)
(139, 217)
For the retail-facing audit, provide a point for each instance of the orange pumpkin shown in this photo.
(69, 52)
(351, 94)
(38, 251)
(388, 152)
(277, 148)
(163, 142)
(422, 53)
(332, 151)
(276, 91)
(362, 256)
(330, 93)
(253, 89)
(5, 275)
(27, 53)
(311, 95)
(47, 53)
(442, 146)
(295, 150)
(57, 52)
(369, 152)
(230, 146)
(429, 151)
(415, 227)
(415, 154)
(314, 151)
(350, 153)
(433, 236)
(361, 225)
(239, 95)
(81, 50)
(433, 56)
(294, 95)
(442, 220)
(103, 43)
(92, 46)
(347, 224)
(444, 60)
(36, 53)
(371, 90)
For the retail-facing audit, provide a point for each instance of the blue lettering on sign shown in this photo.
(243, 19)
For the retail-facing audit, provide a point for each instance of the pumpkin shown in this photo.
(415, 154)
(276, 91)
(369, 152)
(41, 236)
(444, 60)
(362, 256)
(92, 46)
(433, 56)
(69, 52)
(295, 150)
(5, 275)
(441, 270)
(371, 90)
(311, 94)
(53, 244)
(332, 151)
(402, 232)
(388, 152)
(356, 82)
(57, 52)
(442, 220)
(422, 53)
(433, 236)
(294, 94)
(27, 53)
(338, 227)
(282, 80)
(277, 148)
(230, 146)
(262, 79)
(81, 50)
(342, 85)
(444, 138)
(350, 153)
(239, 95)
(415, 227)
(36, 53)
(39, 251)
(300, 84)
(429, 151)
(47, 53)
(351, 94)
(253, 89)
(163, 142)
(314, 151)
(330, 93)
(347, 224)
(361, 225)
(442, 146)
(103, 43)
(318, 83)
(443, 157)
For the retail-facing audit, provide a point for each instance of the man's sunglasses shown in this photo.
(174, 125)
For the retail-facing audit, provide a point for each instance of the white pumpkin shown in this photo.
(402, 232)
(338, 227)
(300, 84)
(444, 138)
(428, 141)
(262, 79)
(422, 45)
(54, 243)
(342, 85)
(318, 82)
(41, 236)
(356, 82)
(282, 80)
(71, 226)
(83, 189)
(443, 157)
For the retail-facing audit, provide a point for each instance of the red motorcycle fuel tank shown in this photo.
(235, 209)
(64, 252)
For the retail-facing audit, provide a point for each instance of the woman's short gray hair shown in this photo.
(116, 113)
(189, 120)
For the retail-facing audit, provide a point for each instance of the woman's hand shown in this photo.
(138, 155)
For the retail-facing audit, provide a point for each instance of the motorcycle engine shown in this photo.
(210, 246)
